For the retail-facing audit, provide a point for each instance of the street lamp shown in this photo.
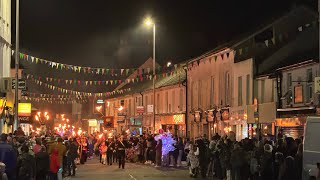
(149, 22)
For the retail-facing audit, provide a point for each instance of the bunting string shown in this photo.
(94, 70)
(73, 92)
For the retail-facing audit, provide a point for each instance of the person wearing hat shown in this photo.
(267, 166)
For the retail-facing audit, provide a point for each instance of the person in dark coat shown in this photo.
(42, 164)
(8, 155)
(111, 149)
(298, 161)
(267, 168)
(26, 165)
(71, 156)
(121, 146)
(159, 153)
(288, 172)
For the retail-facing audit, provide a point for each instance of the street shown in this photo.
(93, 169)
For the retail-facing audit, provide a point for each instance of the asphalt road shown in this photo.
(93, 170)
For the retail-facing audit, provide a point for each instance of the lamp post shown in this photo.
(149, 22)
(16, 123)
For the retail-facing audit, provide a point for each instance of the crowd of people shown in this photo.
(53, 157)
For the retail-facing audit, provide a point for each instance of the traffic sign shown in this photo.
(22, 85)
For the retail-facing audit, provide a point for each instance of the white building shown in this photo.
(5, 38)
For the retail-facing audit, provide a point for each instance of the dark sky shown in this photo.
(109, 33)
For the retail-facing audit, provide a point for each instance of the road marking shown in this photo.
(132, 177)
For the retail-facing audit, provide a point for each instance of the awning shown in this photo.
(297, 111)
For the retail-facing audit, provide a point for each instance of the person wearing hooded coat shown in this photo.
(267, 167)
(42, 164)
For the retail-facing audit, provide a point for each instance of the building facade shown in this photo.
(5, 38)
(5, 61)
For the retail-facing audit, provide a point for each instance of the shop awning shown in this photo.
(297, 111)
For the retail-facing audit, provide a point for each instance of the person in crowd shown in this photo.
(237, 162)
(121, 146)
(42, 164)
(288, 172)
(8, 156)
(267, 171)
(159, 153)
(180, 149)
(278, 164)
(37, 147)
(72, 155)
(103, 152)
(26, 165)
(55, 164)
(110, 151)
(194, 160)
(298, 161)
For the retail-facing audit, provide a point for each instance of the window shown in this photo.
(309, 75)
(199, 94)
(309, 93)
(192, 94)
(167, 103)
(263, 83)
(181, 100)
(289, 80)
(227, 88)
(158, 103)
(240, 91)
(212, 97)
(248, 89)
(298, 94)
(173, 99)
(129, 107)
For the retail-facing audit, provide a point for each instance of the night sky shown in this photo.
(110, 33)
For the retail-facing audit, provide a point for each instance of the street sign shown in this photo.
(22, 85)
(150, 108)
(25, 119)
(317, 85)
(140, 109)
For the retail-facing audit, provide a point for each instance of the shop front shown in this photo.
(174, 123)
(135, 125)
(238, 122)
(291, 121)
(93, 126)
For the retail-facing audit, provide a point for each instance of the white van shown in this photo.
(311, 148)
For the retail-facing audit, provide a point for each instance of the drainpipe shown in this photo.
(185, 84)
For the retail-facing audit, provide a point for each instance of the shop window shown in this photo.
(298, 94)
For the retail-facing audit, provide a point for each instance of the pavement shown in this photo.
(93, 170)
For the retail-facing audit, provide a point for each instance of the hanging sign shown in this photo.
(24, 109)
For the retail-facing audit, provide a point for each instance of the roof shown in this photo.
(304, 47)
(174, 77)
(293, 17)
